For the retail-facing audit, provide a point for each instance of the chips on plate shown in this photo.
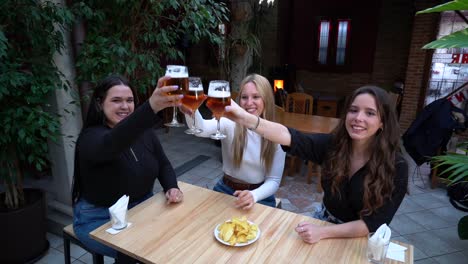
(237, 230)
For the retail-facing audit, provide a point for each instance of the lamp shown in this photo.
(278, 84)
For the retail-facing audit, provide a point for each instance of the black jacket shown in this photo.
(432, 130)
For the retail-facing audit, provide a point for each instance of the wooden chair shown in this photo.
(304, 104)
(299, 103)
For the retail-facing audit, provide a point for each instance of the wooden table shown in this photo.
(183, 233)
(306, 123)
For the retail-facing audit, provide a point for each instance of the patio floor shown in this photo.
(426, 219)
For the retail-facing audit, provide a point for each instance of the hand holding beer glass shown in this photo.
(219, 96)
(193, 98)
(179, 77)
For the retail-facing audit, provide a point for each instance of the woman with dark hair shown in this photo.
(364, 175)
(117, 153)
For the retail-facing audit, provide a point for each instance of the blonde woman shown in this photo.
(252, 165)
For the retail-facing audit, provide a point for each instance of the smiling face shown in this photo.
(363, 119)
(118, 104)
(251, 100)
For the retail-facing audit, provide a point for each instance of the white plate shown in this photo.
(216, 234)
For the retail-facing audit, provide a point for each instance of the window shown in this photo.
(324, 39)
(336, 54)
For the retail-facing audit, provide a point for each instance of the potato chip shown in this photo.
(237, 230)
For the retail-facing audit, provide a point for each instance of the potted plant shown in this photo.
(30, 34)
(457, 164)
(456, 171)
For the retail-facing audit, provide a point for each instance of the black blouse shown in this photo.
(347, 206)
(126, 159)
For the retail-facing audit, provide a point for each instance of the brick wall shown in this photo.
(423, 31)
(398, 55)
(390, 57)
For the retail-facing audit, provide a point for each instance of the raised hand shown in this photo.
(160, 99)
(235, 112)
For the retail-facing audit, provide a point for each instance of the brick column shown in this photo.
(425, 27)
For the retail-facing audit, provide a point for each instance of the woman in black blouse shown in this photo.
(364, 175)
(118, 153)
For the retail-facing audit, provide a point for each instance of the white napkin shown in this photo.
(118, 213)
(396, 252)
(379, 241)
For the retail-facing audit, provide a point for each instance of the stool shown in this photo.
(69, 235)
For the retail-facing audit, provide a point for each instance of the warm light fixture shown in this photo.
(278, 84)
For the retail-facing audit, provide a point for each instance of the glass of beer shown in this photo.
(193, 98)
(179, 77)
(219, 96)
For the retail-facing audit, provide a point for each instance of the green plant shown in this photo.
(457, 39)
(457, 164)
(30, 34)
(138, 38)
(456, 170)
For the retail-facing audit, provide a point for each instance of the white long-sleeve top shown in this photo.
(251, 169)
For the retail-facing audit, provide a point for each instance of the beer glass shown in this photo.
(219, 96)
(193, 98)
(179, 77)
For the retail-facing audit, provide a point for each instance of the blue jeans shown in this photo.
(223, 188)
(87, 217)
(320, 212)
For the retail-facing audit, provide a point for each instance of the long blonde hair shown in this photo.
(268, 148)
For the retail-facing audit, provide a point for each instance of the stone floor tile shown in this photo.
(213, 163)
(453, 258)
(428, 219)
(428, 200)
(54, 240)
(430, 244)
(417, 253)
(88, 259)
(75, 250)
(449, 213)
(202, 171)
(53, 256)
(409, 206)
(425, 261)
(403, 225)
(450, 235)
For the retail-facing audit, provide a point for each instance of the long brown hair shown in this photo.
(240, 140)
(378, 183)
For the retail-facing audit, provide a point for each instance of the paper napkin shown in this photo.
(396, 252)
(118, 213)
(378, 242)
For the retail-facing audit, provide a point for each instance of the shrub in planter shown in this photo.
(30, 34)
